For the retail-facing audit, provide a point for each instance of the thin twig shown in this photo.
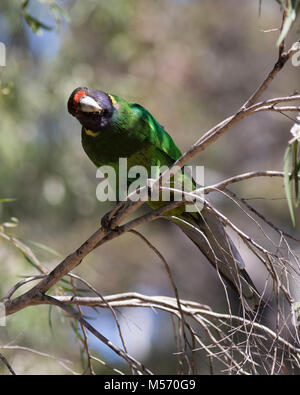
(6, 363)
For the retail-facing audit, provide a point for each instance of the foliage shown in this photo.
(36, 25)
(189, 69)
(291, 8)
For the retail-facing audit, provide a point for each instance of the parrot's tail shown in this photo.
(208, 233)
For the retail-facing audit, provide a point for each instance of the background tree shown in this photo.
(192, 65)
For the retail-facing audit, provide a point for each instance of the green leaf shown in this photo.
(289, 20)
(12, 223)
(297, 306)
(25, 4)
(76, 331)
(259, 7)
(59, 13)
(287, 185)
(29, 260)
(50, 318)
(281, 2)
(291, 15)
(9, 225)
(70, 289)
(7, 200)
(44, 247)
(34, 24)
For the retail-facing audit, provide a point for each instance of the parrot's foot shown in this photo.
(107, 223)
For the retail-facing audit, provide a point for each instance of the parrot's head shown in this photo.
(93, 109)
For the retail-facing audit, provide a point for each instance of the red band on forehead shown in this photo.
(78, 96)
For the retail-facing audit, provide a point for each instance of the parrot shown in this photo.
(114, 128)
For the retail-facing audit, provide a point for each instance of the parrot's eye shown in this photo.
(105, 112)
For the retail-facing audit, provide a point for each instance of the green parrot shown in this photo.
(114, 128)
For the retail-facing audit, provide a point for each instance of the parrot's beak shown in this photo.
(87, 104)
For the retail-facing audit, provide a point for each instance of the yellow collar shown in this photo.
(113, 100)
(91, 133)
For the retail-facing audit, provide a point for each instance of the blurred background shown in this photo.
(191, 64)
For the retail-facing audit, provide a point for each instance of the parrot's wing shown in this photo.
(155, 133)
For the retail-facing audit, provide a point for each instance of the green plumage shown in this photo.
(127, 130)
(135, 134)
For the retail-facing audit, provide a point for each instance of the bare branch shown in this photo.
(241, 177)
(6, 363)
(131, 361)
(167, 304)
